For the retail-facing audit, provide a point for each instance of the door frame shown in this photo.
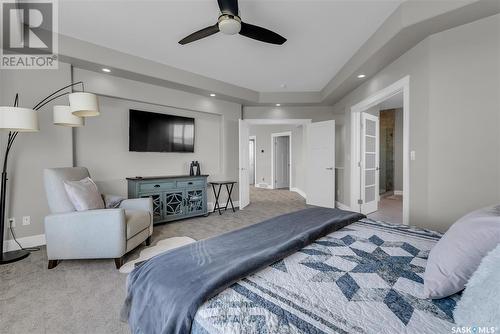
(273, 136)
(254, 138)
(400, 86)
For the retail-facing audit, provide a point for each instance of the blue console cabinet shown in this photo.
(174, 197)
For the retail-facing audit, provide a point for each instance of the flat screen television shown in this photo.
(155, 132)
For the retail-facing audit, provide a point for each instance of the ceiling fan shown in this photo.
(230, 23)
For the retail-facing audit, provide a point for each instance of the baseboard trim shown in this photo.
(398, 192)
(26, 242)
(298, 191)
(342, 206)
(263, 186)
(210, 205)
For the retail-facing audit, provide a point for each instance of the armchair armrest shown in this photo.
(86, 234)
(143, 204)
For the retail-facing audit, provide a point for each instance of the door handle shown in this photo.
(329, 168)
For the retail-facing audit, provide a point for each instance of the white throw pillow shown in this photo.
(479, 305)
(455, 257)
(84, 194)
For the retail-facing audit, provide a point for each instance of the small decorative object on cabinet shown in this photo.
(174, 197)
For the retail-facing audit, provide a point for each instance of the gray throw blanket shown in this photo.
(164, 293)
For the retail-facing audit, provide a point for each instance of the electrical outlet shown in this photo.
(12, 222)
(26, 220)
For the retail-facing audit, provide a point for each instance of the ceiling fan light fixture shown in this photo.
(229, 24)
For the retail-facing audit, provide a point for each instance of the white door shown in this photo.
(321, 164)
(369, 163)
(244, 184)
(251, 157)
(281, 162)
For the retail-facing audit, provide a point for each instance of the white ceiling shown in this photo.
(322, 37)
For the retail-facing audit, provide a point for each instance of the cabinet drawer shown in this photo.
(143, 187)
(192, 183)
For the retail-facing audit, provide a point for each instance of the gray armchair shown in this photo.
(93, 234)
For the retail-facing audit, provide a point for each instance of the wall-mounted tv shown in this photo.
(155, 132)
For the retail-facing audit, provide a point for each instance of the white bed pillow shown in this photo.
(84, 194)
(479, 305)
(455, 257)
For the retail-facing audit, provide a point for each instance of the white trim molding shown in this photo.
(398, 192)
(298, 191)
(402, 85)
(254, 138)
(263, 185)
(26, 242)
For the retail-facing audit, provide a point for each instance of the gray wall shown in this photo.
(315, 113)
(32, 152)
(102, 145)
(454, 116)
(263, 160)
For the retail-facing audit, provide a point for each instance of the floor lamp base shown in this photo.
(13, 256)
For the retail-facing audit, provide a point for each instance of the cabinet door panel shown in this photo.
(174, 205)
(195, 200)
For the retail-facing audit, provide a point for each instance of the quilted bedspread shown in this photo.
(364, 278)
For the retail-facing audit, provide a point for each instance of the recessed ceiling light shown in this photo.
(278, 105)
(361, 76)
(212, 95)
(107, 70)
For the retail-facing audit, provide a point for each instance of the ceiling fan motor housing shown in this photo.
(229, 24)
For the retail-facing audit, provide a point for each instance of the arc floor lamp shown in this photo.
(17, 119)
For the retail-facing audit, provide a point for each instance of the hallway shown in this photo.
(390, 209)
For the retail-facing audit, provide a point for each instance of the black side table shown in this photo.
(229, 188)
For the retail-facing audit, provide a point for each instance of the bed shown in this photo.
(362, 277)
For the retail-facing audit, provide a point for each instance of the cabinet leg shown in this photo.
(148, 241)
(53, 264)
(118, 262)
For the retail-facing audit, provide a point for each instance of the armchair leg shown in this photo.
(148, 241)
(118, 262)
(53, 264)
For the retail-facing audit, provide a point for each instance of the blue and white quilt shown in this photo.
(364, 278)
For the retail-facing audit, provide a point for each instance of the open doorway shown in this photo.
(380, 150)
(272, 161)
(390, 206)
(281, 155)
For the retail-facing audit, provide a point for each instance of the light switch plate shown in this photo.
(412, 155)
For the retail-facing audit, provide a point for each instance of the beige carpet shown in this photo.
(390, 209)
(85, 296)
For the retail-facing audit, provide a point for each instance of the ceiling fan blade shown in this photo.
(228, 6)
(208, 31)
(261, 34)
